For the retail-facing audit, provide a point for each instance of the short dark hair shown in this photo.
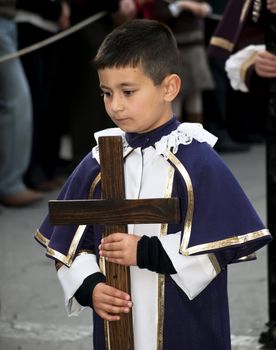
(140, 41)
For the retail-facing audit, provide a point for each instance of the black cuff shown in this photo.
(152, 256)
(84, 293)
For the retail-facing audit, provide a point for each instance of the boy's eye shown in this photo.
(129, 92)
(105, 94)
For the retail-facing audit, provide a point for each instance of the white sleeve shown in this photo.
(194, 273)
(72, 278)
(237, 64)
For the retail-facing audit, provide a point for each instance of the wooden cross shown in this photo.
(115, 212)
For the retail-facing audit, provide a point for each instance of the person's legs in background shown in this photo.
(15, 123)
(215, 102)
(40, 68)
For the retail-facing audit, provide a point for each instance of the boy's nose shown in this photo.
(116, 104)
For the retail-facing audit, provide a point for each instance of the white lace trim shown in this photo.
(184, 135)
(235, 62)
(109, 132)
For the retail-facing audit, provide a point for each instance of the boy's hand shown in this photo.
(265, 64)
(120, 248)
(109, 302)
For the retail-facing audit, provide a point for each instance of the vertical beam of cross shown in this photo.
(118, 276)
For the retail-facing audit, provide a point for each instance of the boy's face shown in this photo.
(132, 100)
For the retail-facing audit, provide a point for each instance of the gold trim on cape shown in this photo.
(228, 242)
(244, 10)
(41, 239)
(94, 184)
(200, 248)
(68, 259)
(214, 261)
(252, 256)
(190, 201)
(106, 323)
(85, 252)
(65, 259)
(246, 64)
(222, 43)
(227, 44)
(161, 277)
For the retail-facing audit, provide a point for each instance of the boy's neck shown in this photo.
(149, 138)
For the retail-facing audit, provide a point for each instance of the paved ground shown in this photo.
(31, 302)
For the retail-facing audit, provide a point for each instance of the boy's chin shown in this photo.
(129, 129)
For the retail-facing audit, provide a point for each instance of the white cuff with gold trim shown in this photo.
(235, 63)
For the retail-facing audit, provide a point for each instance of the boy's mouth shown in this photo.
(121, 120)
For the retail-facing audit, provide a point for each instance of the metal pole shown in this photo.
(270, 38)
(269, 338)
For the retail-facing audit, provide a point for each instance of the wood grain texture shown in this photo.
(118, 276)
(115, 211)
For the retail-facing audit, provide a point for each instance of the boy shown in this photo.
(178, 272)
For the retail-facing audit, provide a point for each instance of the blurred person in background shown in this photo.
(250, 68)
(37, 21)
(186, 19)
(242, 25)
(215, 101)
(15, 117)
(80, 102)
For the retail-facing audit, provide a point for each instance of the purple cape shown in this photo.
(217, 218)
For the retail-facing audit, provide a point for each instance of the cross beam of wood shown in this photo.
(114, 211)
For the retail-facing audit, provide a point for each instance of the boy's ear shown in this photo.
(171, 86)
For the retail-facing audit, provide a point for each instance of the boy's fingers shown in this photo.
(116, 261)
(115, 310)
(113, 237)
(111, 254)
(116, 293)
(104, 315)
(104, 292)
(115, 305)
(110, 246)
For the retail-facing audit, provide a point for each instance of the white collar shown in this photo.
(183, 135)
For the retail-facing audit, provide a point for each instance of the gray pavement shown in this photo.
(32, 314)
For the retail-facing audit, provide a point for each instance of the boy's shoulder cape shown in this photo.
(216, 213)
